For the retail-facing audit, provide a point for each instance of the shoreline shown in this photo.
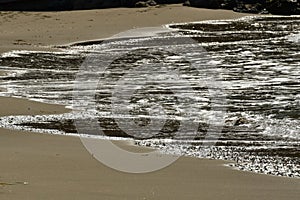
(59, 167)
(59, 27)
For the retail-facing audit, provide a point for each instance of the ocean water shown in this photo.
(227, 89)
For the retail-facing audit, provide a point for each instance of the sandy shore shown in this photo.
(58, 167)
(37, 166)
(35, 30)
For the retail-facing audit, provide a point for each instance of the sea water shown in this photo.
(227, 89)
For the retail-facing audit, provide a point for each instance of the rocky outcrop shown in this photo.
(286, 7)
(283, 7)
(146, 3)
(241, 5)
(56, 5)
(169, 1)
(187, 3)
(228, 4)
(250, 6)
(206, 3)
(31, 5)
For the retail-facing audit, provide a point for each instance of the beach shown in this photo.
(39, 30)
(41, 166)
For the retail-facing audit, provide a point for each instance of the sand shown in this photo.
(39, 166)
(37, 30)
(58, 167)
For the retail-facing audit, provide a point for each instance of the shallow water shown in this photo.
(237, 99)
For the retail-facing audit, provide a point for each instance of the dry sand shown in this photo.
(38, 166)
(35, 30)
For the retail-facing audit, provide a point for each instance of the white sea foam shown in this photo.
(255, 77)
(294, 38)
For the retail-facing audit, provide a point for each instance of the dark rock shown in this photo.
(249, 6)
(228, 4)
(240, 121)
(58, 5)
(152, 2)
(206, 3)
(186, 3)
(147, 3)
(141, 4)
(283, 7)
(169, 1)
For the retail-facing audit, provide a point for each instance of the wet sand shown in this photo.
(58, 167)
(38, 166)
